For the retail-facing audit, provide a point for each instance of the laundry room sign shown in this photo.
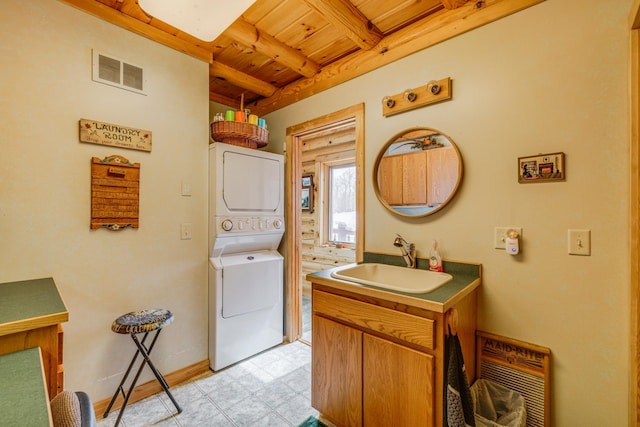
(95, 132)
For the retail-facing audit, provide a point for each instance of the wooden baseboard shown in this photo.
(152, 387)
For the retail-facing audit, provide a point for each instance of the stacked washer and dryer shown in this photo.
(246, 225)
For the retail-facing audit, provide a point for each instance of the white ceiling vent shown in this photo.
(115, 72)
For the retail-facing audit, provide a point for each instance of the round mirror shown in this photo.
(417, 172)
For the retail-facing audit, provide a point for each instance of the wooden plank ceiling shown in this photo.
(281, 51)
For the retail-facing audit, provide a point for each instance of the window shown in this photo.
(341, 197)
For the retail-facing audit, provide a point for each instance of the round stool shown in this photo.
(138, 322)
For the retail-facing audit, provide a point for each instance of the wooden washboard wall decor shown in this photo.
(115, 193)
(520, 366)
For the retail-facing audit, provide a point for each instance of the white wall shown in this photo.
(45, 65)
(550, 78)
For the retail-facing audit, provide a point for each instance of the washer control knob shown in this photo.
(277, 223)
(227, 225)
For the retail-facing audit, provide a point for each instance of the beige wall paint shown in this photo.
(551, 78)
(45, 187)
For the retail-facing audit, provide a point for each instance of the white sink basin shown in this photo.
(403, 279)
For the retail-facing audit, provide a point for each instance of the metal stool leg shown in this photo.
(157, 373)
(120, 389)
(141, 349)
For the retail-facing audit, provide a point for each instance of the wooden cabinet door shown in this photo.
(414, 178)
(442, 170)
(398, 385)
(390, 179)
(336, 379)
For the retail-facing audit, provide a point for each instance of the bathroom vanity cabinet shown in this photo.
(378, 357)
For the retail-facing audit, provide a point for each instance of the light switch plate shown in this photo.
(579, 242)
(185, 231)
(186, 188)
(500, 236)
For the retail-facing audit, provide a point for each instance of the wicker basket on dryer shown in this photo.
(239, 133)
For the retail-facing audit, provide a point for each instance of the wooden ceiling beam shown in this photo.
(132, 24)
(346, 18)
(247, 34)
(133, 9)
(224, 100)
(241, 79)
(419, 36)
(453, 4)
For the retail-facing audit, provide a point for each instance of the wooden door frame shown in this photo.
(293, 214)
(634, 212)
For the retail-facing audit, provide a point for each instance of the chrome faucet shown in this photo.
(408, 251)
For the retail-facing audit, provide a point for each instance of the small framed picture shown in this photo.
(307, 193)
(307, 180)
(307, 199)
(541, 168)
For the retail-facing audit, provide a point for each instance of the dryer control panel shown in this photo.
(250, 224)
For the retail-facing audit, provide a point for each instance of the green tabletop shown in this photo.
(23, 395)
(29, 302)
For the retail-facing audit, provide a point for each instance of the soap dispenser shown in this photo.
(435, 261)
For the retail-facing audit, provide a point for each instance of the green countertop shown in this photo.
(23, 390)
(466, 277)
(28, 304)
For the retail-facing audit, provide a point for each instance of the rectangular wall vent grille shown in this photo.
(115, 72)
(520, 366)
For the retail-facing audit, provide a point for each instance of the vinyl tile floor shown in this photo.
(271, 389)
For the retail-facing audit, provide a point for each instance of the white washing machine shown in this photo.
(246, 272)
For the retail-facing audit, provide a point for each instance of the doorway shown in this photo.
(316, 150)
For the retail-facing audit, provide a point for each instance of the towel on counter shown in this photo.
(458, 403)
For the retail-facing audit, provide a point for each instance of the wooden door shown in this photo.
(414, 178)
(442, 170)
(398, 385)
(336, 378)
(390, 179)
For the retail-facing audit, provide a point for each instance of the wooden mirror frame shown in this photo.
(381, 154)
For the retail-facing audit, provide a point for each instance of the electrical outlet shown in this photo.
(185, 231)
(579, 242)
(500, 236)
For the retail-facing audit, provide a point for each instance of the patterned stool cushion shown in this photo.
(142, 321)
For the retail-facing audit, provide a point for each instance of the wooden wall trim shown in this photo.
(152, 387)
(634, 217)
(634, 17)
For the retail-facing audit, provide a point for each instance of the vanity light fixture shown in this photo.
(203, 19)
(409, 95)
(388, 102)
(433, 87)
